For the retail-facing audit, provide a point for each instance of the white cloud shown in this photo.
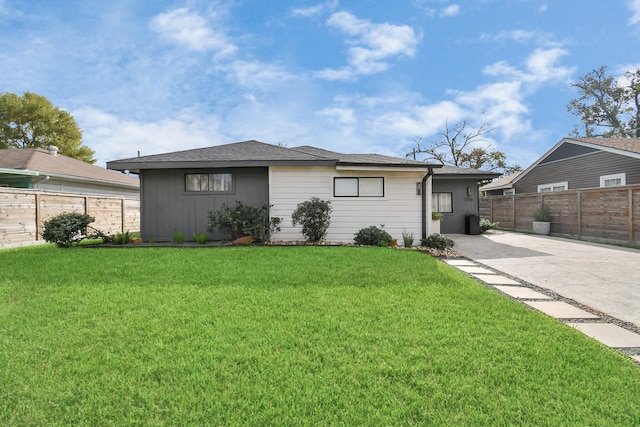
(372, 45)
(256, 74)
(312, 11)
(451, 10)
(340, 116)
(634, 5)
(113, 137)
(192, 31)
(540, 66)
(543, 8)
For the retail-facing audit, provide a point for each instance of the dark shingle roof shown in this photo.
(363, 159)
(39, 160)
(256, 153)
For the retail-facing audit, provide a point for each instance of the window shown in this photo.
(556, 186)
(358, 187)
(442, 202)
(613, 180)
(212, 182)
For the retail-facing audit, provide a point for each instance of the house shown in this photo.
(502, 186)
(577, 163)
(47, 170)
(455, 195)
(179, 189)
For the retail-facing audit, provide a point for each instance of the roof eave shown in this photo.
(134, 166)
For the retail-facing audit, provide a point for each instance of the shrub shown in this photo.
(373, 236)
(66, 229)
(408, 238)
(244, 220)
(485, 225)
(201, 238)
(436, 216)
(122, 238)
(437, 241)
(315, 216)
(178, 237)
(542, 214)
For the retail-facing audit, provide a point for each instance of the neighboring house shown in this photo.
(455, 195)
(46, 170)
(179, 189)
(502, 186)
(579, 163)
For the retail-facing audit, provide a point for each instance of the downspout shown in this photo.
(424, 201)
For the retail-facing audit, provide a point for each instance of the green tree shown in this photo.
(458, 147)
(607, 106)
(32, 121)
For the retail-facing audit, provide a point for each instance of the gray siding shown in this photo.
(453, 223)
(580, 172)
(166, 206)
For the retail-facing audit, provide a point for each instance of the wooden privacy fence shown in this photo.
(22, 212)
(609, 214)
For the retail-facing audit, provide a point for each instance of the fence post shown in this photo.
(38, 216)
(122, 214)
(630, 219)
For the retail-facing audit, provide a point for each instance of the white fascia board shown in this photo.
(381, 168)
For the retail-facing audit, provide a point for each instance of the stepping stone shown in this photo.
(521, 292)
(474, 269)
(560, 310)
(458, 262)
(495, 279)
(609, 334)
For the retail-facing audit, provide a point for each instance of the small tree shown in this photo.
(315, 216)
(66, 229)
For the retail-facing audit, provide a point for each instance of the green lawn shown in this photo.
(287, 336)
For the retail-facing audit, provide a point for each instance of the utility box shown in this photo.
(472, 224)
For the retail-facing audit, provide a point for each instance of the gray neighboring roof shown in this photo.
(39, 160)
(501, 183)
(256, 153)
(631, 145)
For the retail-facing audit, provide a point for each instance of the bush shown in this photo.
(66, 229)
(373, 236)
(542, 214)
(201, 238)
(244, 220)
(485, 225)
(122, 238)
(437, 241)
(178, 237)
(315, 216)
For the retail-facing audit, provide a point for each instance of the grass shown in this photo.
(287, 336)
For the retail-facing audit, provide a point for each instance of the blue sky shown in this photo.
(349, 76)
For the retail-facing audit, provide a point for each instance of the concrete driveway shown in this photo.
(605, 278)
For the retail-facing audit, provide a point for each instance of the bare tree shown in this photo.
(458, 147)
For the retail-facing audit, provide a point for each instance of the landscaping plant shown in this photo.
(315, 216)
(66, 229)
(122, 238)
(408, 238)
(201, 238)
(178, 237)
(244, 220)
(486, 225)
(437, 241)
(373, 236)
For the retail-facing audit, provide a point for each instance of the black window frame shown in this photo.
(358, 178)
(209, 181)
